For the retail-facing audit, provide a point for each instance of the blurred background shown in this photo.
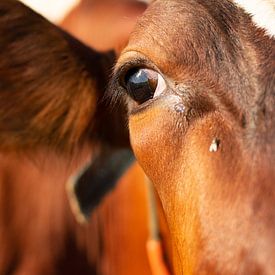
(39, 234)
(102, 24)
(52, 9)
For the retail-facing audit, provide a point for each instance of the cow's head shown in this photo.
(198, 80)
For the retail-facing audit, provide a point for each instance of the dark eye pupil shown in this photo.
(141, 84)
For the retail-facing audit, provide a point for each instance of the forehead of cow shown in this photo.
(179, 29)
(189, 35)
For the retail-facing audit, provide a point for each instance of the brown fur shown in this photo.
(50, 84)
(220, 67)
(51, 89)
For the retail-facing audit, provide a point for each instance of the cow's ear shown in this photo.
(262, 12)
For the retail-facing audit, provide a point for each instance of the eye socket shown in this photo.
(143, 84)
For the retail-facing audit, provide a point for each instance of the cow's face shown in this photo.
(198, 80)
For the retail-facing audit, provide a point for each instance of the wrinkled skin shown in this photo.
(219, 75)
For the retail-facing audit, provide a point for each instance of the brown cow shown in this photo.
(51, 117)
(198, 78)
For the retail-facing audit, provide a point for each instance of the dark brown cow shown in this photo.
(198, 78)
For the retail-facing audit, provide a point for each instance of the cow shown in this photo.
(52, 121)
(198, 79)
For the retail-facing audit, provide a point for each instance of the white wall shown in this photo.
(54, 10)
(262, 11)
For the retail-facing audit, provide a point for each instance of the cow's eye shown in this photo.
(143, 84)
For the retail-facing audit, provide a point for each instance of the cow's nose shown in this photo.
(143, 84)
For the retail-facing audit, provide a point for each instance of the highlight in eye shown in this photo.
(143, 84)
